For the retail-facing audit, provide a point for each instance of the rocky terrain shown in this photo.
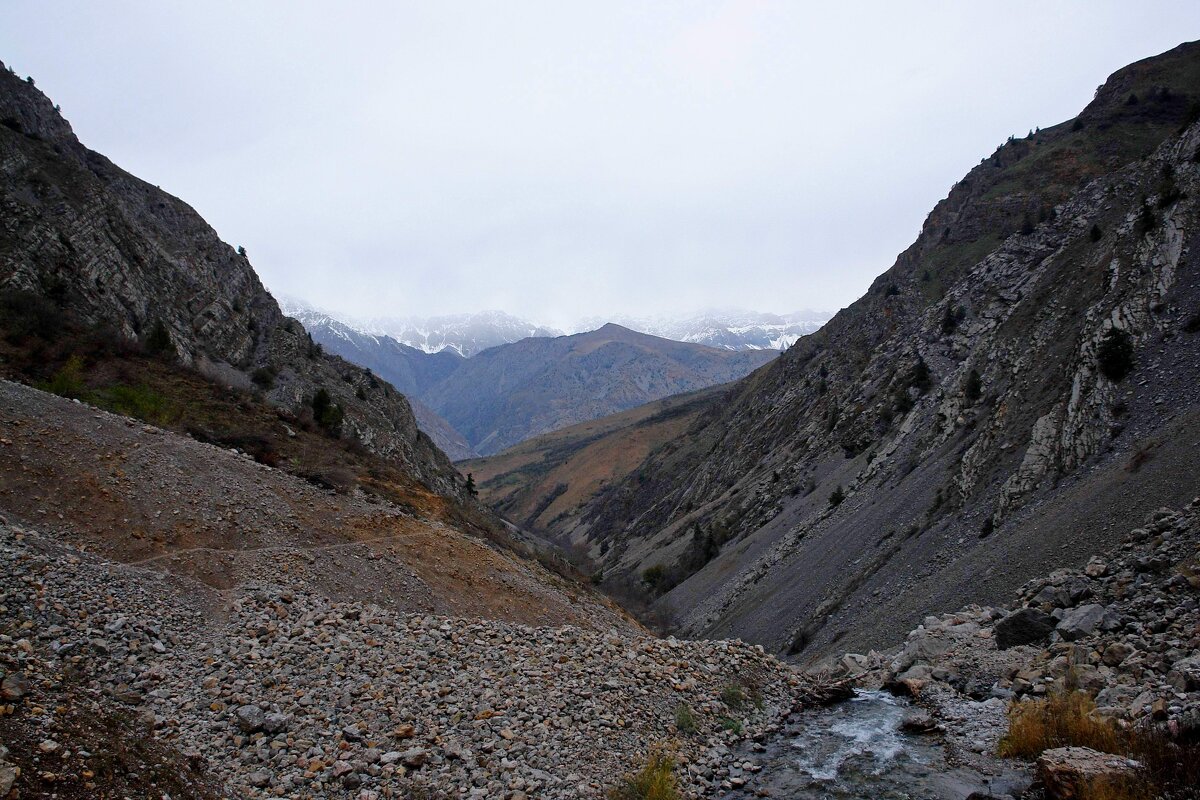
(1125, 629)
(241, 631)
(1017, 390)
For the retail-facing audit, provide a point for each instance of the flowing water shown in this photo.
(856, 749)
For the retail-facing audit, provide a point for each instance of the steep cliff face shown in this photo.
(114, 252)
(964, 424)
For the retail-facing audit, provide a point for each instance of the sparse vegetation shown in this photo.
(1068, 719)
(685, 719)
(730, 724)
(1096, 234)
(655, 781)
(733, 695)
(836, 497)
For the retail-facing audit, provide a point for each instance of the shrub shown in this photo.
(25, 314)
(327, 414)
(141, 402)
(1114, 356)
(68, 381)
(471, 490)
(264, 377)
(655, 781)
(730, 724)
(836, 498)
(159, 342)
(920, 378)
(1193, 324)
(655, 577)
(733, 695)
(685, 719)
(1097, 233)
(1067, 719)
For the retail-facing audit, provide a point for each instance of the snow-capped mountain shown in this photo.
(729, 329)
(466, 334)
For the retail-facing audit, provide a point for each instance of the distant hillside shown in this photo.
(509, 393)
(411, 371)
(542, 482)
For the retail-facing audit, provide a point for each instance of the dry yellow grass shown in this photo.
(655, 781)
(1061, 720)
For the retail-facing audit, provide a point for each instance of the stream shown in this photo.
(857, 749)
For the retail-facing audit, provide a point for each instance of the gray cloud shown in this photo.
(560, 160)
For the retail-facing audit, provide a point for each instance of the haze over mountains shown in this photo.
(532, 385)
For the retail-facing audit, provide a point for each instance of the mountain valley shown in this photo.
(943, 544)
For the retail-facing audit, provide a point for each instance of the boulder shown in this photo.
(1083, 621)
(1072, 772)
(250, 718)
(1023, 626)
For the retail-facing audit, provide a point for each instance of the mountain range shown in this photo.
(507, 393)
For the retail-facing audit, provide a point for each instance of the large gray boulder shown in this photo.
(1023, 626)
(1084, 621)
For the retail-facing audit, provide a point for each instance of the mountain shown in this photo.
(509, 393)
(731, 329)
(1017, 390)
(411, 371)
(465, 334)
(87, 247)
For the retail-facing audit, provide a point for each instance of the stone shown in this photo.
(14, 686)
(258, 779)
(249, 718)
(1067, 772)
(275, 722)
(8, 776)
(1023, 626)
(1080, 622)
(414, 757)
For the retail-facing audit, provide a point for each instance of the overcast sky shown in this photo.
(568, 159)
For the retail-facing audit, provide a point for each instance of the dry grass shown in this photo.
(1061, 720)
(654, 781)
(1169, 768)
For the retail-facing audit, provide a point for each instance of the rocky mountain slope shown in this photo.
(86, 242)
(1019, 388)
(543, 376)
(509, 393)
(541, 482)
(411, 371)
(239, 632)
